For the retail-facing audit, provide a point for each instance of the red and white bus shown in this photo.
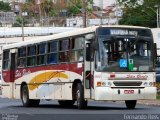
(100, 63)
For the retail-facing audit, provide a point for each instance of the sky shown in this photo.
(104, 2)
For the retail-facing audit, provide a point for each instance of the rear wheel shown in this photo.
(66, 102)
(130, 104)
(25, 98)
(81, 103)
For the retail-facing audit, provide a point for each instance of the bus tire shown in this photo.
(25, 98)
(130, 104)
(66, 102)
(81, 103)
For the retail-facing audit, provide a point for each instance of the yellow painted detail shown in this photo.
(44, 77)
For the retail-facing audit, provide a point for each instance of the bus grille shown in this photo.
(127, 83)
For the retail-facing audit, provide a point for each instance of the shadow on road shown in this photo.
(74, 107)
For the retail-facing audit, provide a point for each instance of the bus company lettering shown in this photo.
(137, 76)
(22, 73)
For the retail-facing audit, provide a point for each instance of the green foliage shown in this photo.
(19, 22)
(76, 6)
(53, 13)
(158, 97)
(4, 6)
(140, 13)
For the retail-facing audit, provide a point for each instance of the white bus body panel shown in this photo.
(55, 88)
(112, 92)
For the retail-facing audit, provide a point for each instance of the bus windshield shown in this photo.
(120, 53)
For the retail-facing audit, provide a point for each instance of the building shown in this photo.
(7, 18)
(103, 3)
(110, 15)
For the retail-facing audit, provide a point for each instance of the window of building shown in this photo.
(21, 61)
(6, 60)
(41, 50)
(77, 49)
(31, 57)
(64, 51)
(52, 55)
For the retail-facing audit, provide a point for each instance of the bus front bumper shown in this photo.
(115, 94)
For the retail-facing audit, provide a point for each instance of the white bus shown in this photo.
(100, 63)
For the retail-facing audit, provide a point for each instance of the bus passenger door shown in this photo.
(12, 71)
(88, 71)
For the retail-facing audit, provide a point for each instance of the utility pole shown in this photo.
(116, 13)
(101, 12)
(40, 17)
(84, 13)
(22, 26)
(157, 12)
(157, 17)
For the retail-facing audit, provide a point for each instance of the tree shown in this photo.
(140, 13)
(4, 6)
(77, 6)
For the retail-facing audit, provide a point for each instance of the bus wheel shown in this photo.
(81, 103)
(130, 104)
(25, 98)
(66, 102)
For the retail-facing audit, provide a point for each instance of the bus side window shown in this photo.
(21, 61)
(64, 50)
(41, 50)
(31, 57)
(52, 55)
(5, 59)
(77, 49)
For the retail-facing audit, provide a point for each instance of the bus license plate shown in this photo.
(128, 91)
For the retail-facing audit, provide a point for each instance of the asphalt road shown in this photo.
(50, 110)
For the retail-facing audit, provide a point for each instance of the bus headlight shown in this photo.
(100, 84)
(103, 83)
(152, 84)
(109, 83)
(145, 83)
(149, 84)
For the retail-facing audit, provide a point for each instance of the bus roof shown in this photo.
(65, 35)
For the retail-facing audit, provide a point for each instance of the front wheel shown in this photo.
(130, 104)
(81, 103)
